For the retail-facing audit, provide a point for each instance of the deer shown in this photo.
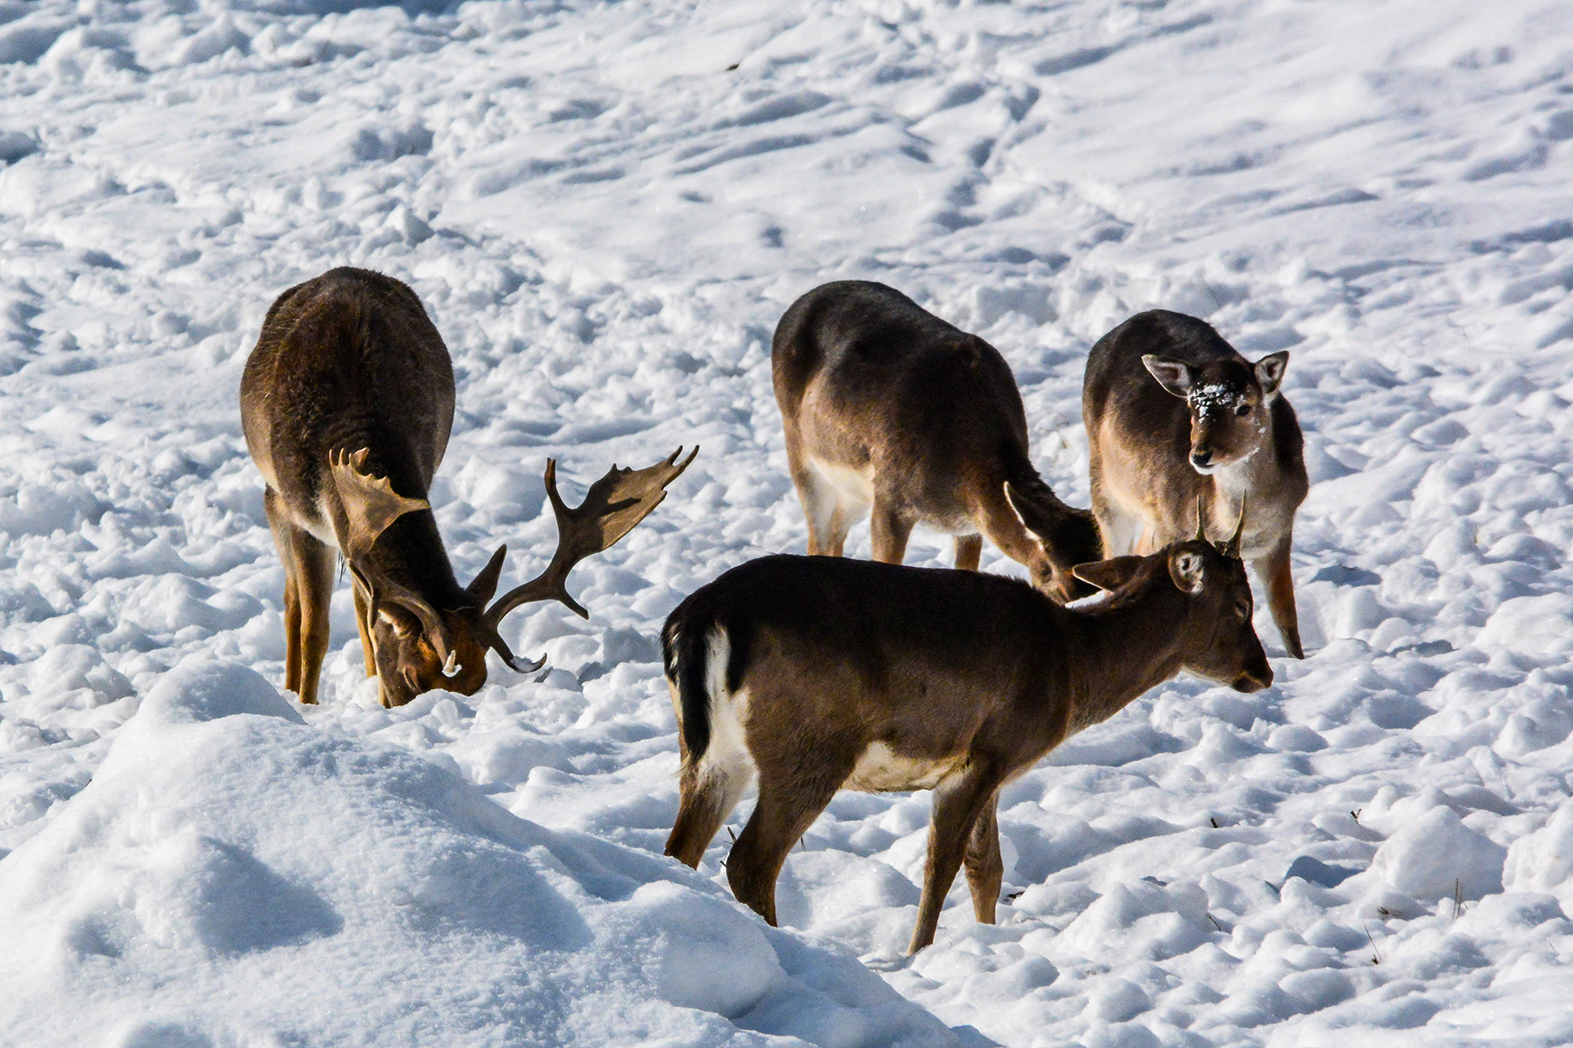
(892, 413)
(1176, 417)
(347, 403)
(800, 676)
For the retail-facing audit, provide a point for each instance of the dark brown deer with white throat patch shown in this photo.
(892, 412)
(347, 402)
(1176, 417)
(804, 675)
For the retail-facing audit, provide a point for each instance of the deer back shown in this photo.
(348, 360)
(870, 382)
(832, 654)
(838, 648)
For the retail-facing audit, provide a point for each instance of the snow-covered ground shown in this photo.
(606, 207)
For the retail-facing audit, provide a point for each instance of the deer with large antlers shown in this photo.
(893, 413)
(347, 402)
(1175, 418)
(805, 675)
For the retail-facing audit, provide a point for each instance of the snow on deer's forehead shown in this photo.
(1213, 397)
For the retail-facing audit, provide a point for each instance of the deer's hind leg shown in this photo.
(985, 868)
(830, 509)
(958, 804)
(889, 531)
(789, 802)
(709, 787)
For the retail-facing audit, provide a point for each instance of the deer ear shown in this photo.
(485, 584)
(1270, 371)
(1173, 375)
(1187, 570)
(1031, 516)
(370, 503)
(1109, 574)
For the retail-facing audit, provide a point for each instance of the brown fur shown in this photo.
(1165, 398)
(349, 361)
(873, 386)
(963, 679)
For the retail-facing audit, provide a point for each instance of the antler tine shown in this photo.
(611, 508)
(1232, 547)
(1201, 527)
(494, 641)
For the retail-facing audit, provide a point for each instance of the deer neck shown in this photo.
(1230, 486)
(410, 553)
(1128, 648)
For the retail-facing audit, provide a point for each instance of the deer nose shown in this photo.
(1253, 682)
(1201, 456)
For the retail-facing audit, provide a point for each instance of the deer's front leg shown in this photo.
(283, 540)
(314, 562)
(363, 623)
(1274, 570)
(957, 805)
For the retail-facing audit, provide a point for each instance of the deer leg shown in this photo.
(706, 796)
(291, 632)
(283, 532)
(787, 807)
(829, 513)
(1274, 570)
(969, 551)
(815, 495)
(363, 623)
(957, 805)
(315, 563)
(985, 869)
(889, 531)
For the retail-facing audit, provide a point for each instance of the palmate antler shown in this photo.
(611, 508)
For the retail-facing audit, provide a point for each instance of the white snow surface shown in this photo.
(605, 208)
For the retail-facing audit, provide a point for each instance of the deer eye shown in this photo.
(1243, 410)
(1243, 610)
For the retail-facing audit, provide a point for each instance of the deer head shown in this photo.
(1229, 401)
(1064, 537)
(1220, 642)
(418, 646)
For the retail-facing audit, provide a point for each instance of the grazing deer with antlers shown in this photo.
(889, 410)
(805, 675)
(347, 403)
(1175, 418)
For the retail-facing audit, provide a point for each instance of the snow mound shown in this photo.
(1436, 856)
(233, 876)
(1543, 860)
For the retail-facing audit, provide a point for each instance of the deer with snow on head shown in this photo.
(347, 403)
(804, 675)
(893, 412)
(1175, 418)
